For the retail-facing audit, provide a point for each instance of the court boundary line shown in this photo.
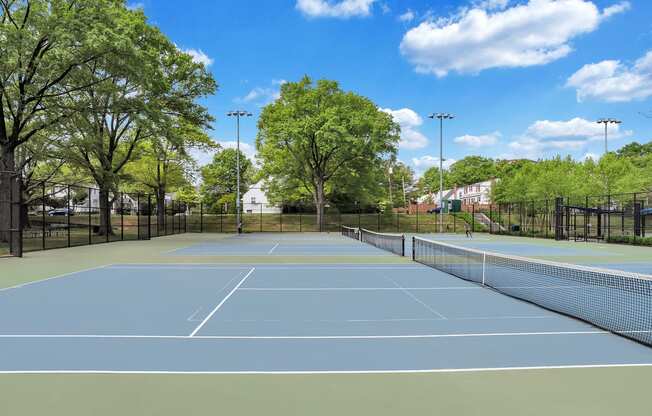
(416, 299)
(273, 248)
(219, 305)
(336, 372)
(312, 337)
(59, 276)
(338, 289)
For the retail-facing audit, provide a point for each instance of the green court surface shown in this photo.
(573, 390)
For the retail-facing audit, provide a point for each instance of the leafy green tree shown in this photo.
(635, 149)
(320, 136)
(429, 182)
(472, 169)
(43, 45)
(220, 181)
(164, 163)
(135, 95)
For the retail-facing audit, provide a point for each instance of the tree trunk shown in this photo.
(7, 165)
(319, 204)
(105, 212)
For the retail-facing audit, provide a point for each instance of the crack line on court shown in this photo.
(407, 292)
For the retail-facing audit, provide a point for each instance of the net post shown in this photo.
(403, 246)
(122, 216)
(484, 268)
(414, 257)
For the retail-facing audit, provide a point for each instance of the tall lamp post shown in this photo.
(441, 117)
(237, 114)
(606, 122)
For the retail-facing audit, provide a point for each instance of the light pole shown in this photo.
(441, 117)
(606, 122)
(237, 114)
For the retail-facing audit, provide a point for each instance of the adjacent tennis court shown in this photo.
(353, 314)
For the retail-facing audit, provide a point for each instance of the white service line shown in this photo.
(54, 277)
(273, 248)
(313, 337)
(326, 289)
(210, 315)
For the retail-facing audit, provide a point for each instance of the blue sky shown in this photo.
(524, 78)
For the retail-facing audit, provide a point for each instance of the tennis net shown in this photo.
(616, 301)
(394, 243)
(351, 232)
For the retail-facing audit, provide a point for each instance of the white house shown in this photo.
(255, 201)
(476, 193)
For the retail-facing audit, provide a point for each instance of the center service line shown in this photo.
(210, 315)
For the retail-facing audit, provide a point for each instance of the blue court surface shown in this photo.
(289, 245)
(287, 318)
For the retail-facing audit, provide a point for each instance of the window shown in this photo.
(253, 199)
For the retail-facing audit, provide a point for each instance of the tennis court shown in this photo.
(363, 311)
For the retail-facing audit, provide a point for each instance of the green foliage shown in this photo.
(429, 182)
(220, 179)
(324, 140)
(472, 169)
(629, 239)
(547, 179)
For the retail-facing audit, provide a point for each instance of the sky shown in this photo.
(524, 79)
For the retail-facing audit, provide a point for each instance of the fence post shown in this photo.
(43, 215)
(378, 222)
(201, 216)
(300, 221)
(280, 217)
(473, 217)
(122, 216)
(221, 219)
(608, 217)
(417, 204)
(68, 213)
(636, 218)
(149, 217)
(138, 236)
(491, 219)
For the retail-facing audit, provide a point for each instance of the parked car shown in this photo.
(433, 210)
(60, 212)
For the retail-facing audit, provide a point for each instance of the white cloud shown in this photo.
(246, 148)
(613, 81)
(135, 6)
(479, 38)
(199, 56)
(479, 141)
(410, 121)
(204, 157)
(618, 8)
(408, 16)
(339, 9)
(492, 4)
(261, 96)
(423, 163)
(548, 138)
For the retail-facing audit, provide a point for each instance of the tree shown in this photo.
(150, 85)
(472, 169)
(635, 149)
(43, 44)
(319, 136)
(429, 182)
(220, 181)
(164, 163)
